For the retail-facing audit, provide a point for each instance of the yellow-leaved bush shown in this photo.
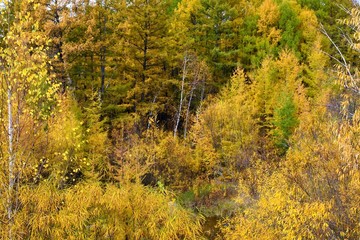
(66, 144)
(226, 133)
(90, 211)
(314, 194)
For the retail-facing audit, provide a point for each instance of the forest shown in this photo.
(179, 119)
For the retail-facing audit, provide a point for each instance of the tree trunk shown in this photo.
(201, 98)
(102, 69)
(103, 60)
(188, 109)
(178, 115)
(144, 64)
(11, 163)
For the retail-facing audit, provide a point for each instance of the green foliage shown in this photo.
(289, 26)
(213, 32)
(281, 98)
(250, 57)
(285, 121)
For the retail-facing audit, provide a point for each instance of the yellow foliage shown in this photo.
(309, 26)
(226, 133)
(88, 211)
(314, 194)
(269, 15)
(66, 144)
(171, 160)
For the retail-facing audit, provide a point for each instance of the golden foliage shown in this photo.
(226, 132)
(89, 211)
(314, 193)
(269, 15)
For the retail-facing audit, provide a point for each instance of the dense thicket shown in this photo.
(179, 119)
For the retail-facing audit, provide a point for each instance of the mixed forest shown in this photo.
(179, 119)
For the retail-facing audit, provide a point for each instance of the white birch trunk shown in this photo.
(188, 109)
(11, 162)
(178, 115)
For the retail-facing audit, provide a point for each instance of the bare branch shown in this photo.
(343, 60)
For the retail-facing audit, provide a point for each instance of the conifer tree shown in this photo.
(87, 49)
(145, 31)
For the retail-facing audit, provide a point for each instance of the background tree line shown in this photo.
(179, 119)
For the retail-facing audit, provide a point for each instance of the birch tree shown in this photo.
(27, 94)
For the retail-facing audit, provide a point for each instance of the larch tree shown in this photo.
(214, 32)
(86, 47)
(53, 17)
(145, 31)
(226, 133)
